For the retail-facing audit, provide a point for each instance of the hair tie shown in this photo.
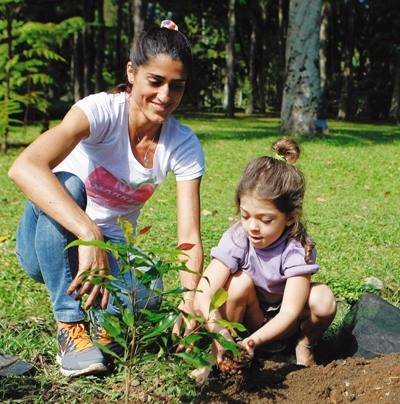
(280, 157)
(169, 24)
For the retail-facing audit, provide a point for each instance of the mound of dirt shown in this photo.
(355, 379)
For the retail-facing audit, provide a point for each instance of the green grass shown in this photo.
(351, 210)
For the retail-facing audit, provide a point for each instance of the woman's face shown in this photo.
(157, 87)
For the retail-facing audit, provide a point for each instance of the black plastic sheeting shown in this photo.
(371, 327)
(11, 365)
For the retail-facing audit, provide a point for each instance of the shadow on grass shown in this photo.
(210, 127)
(217, 127)
(20, 388)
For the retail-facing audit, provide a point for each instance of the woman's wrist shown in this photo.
(90, 232)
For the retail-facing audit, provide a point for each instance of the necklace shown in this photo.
(145, 158)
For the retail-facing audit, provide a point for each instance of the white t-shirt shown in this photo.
(116, 183)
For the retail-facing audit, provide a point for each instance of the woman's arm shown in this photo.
(294, 300)
(188, 220)
(32, 172)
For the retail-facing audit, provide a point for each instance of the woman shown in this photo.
(102, 161)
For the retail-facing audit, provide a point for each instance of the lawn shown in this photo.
(351, 211)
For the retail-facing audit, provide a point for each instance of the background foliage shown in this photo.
(88, 51)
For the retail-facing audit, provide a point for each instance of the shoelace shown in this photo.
(78, 334)
(102, 336)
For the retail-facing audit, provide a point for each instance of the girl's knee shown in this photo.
(239, 287)
(322, 301)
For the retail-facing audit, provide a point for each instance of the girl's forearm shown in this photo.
(202, 305)
(277, 327)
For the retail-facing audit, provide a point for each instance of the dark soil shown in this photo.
(353, 379)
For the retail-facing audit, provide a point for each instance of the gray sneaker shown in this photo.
(100, 335)
(77, 355)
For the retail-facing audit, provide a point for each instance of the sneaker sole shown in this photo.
(94, 368)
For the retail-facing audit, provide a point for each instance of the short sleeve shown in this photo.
(187, 162)
(98, 112)
(293, 262)
(231, 249)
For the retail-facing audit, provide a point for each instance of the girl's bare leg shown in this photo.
(242, 304)
(318, 315)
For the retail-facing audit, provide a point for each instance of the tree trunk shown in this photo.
(88, 48)
(230, 60)
(347, 70)
(119, 62)
(101, 39)
(263, 64)
(282, 35)
(323, 64)
(252, 58)
(75, 72)
(302, 91)
(394, 113)
(138, 18)
(6, 130)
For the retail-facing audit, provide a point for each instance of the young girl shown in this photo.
(266, 260)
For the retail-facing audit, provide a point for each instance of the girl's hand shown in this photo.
(248, 346)
(95, 260)
(228, 363)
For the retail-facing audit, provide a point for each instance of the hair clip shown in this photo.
(169, 24)
(280, 157)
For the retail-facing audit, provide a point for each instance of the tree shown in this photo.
(138, 18)
(323, 56)
(347, 70)
(302, 91)
(27, 49)
(394, 113)
(100, 39)
(230, 60)
(88, 48)
(254, 21)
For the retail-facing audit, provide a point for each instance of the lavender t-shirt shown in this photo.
(269, 267)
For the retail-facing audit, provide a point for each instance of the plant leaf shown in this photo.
(162, 327)
(185, 246)
(144, 230)
(195, 360)
(128, 318)
(228, 345)
(232, 326)
(94, 243)
(219, 298)
(107, 350)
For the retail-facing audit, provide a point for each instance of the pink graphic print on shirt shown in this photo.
(108, 191)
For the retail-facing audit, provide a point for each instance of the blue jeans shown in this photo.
(41, 243)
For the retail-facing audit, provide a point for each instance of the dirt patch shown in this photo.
(353, 379)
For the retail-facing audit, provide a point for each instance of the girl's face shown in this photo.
(262, 221)
(158, 87)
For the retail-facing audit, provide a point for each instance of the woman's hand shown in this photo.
(95, 261)
(183, 322)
